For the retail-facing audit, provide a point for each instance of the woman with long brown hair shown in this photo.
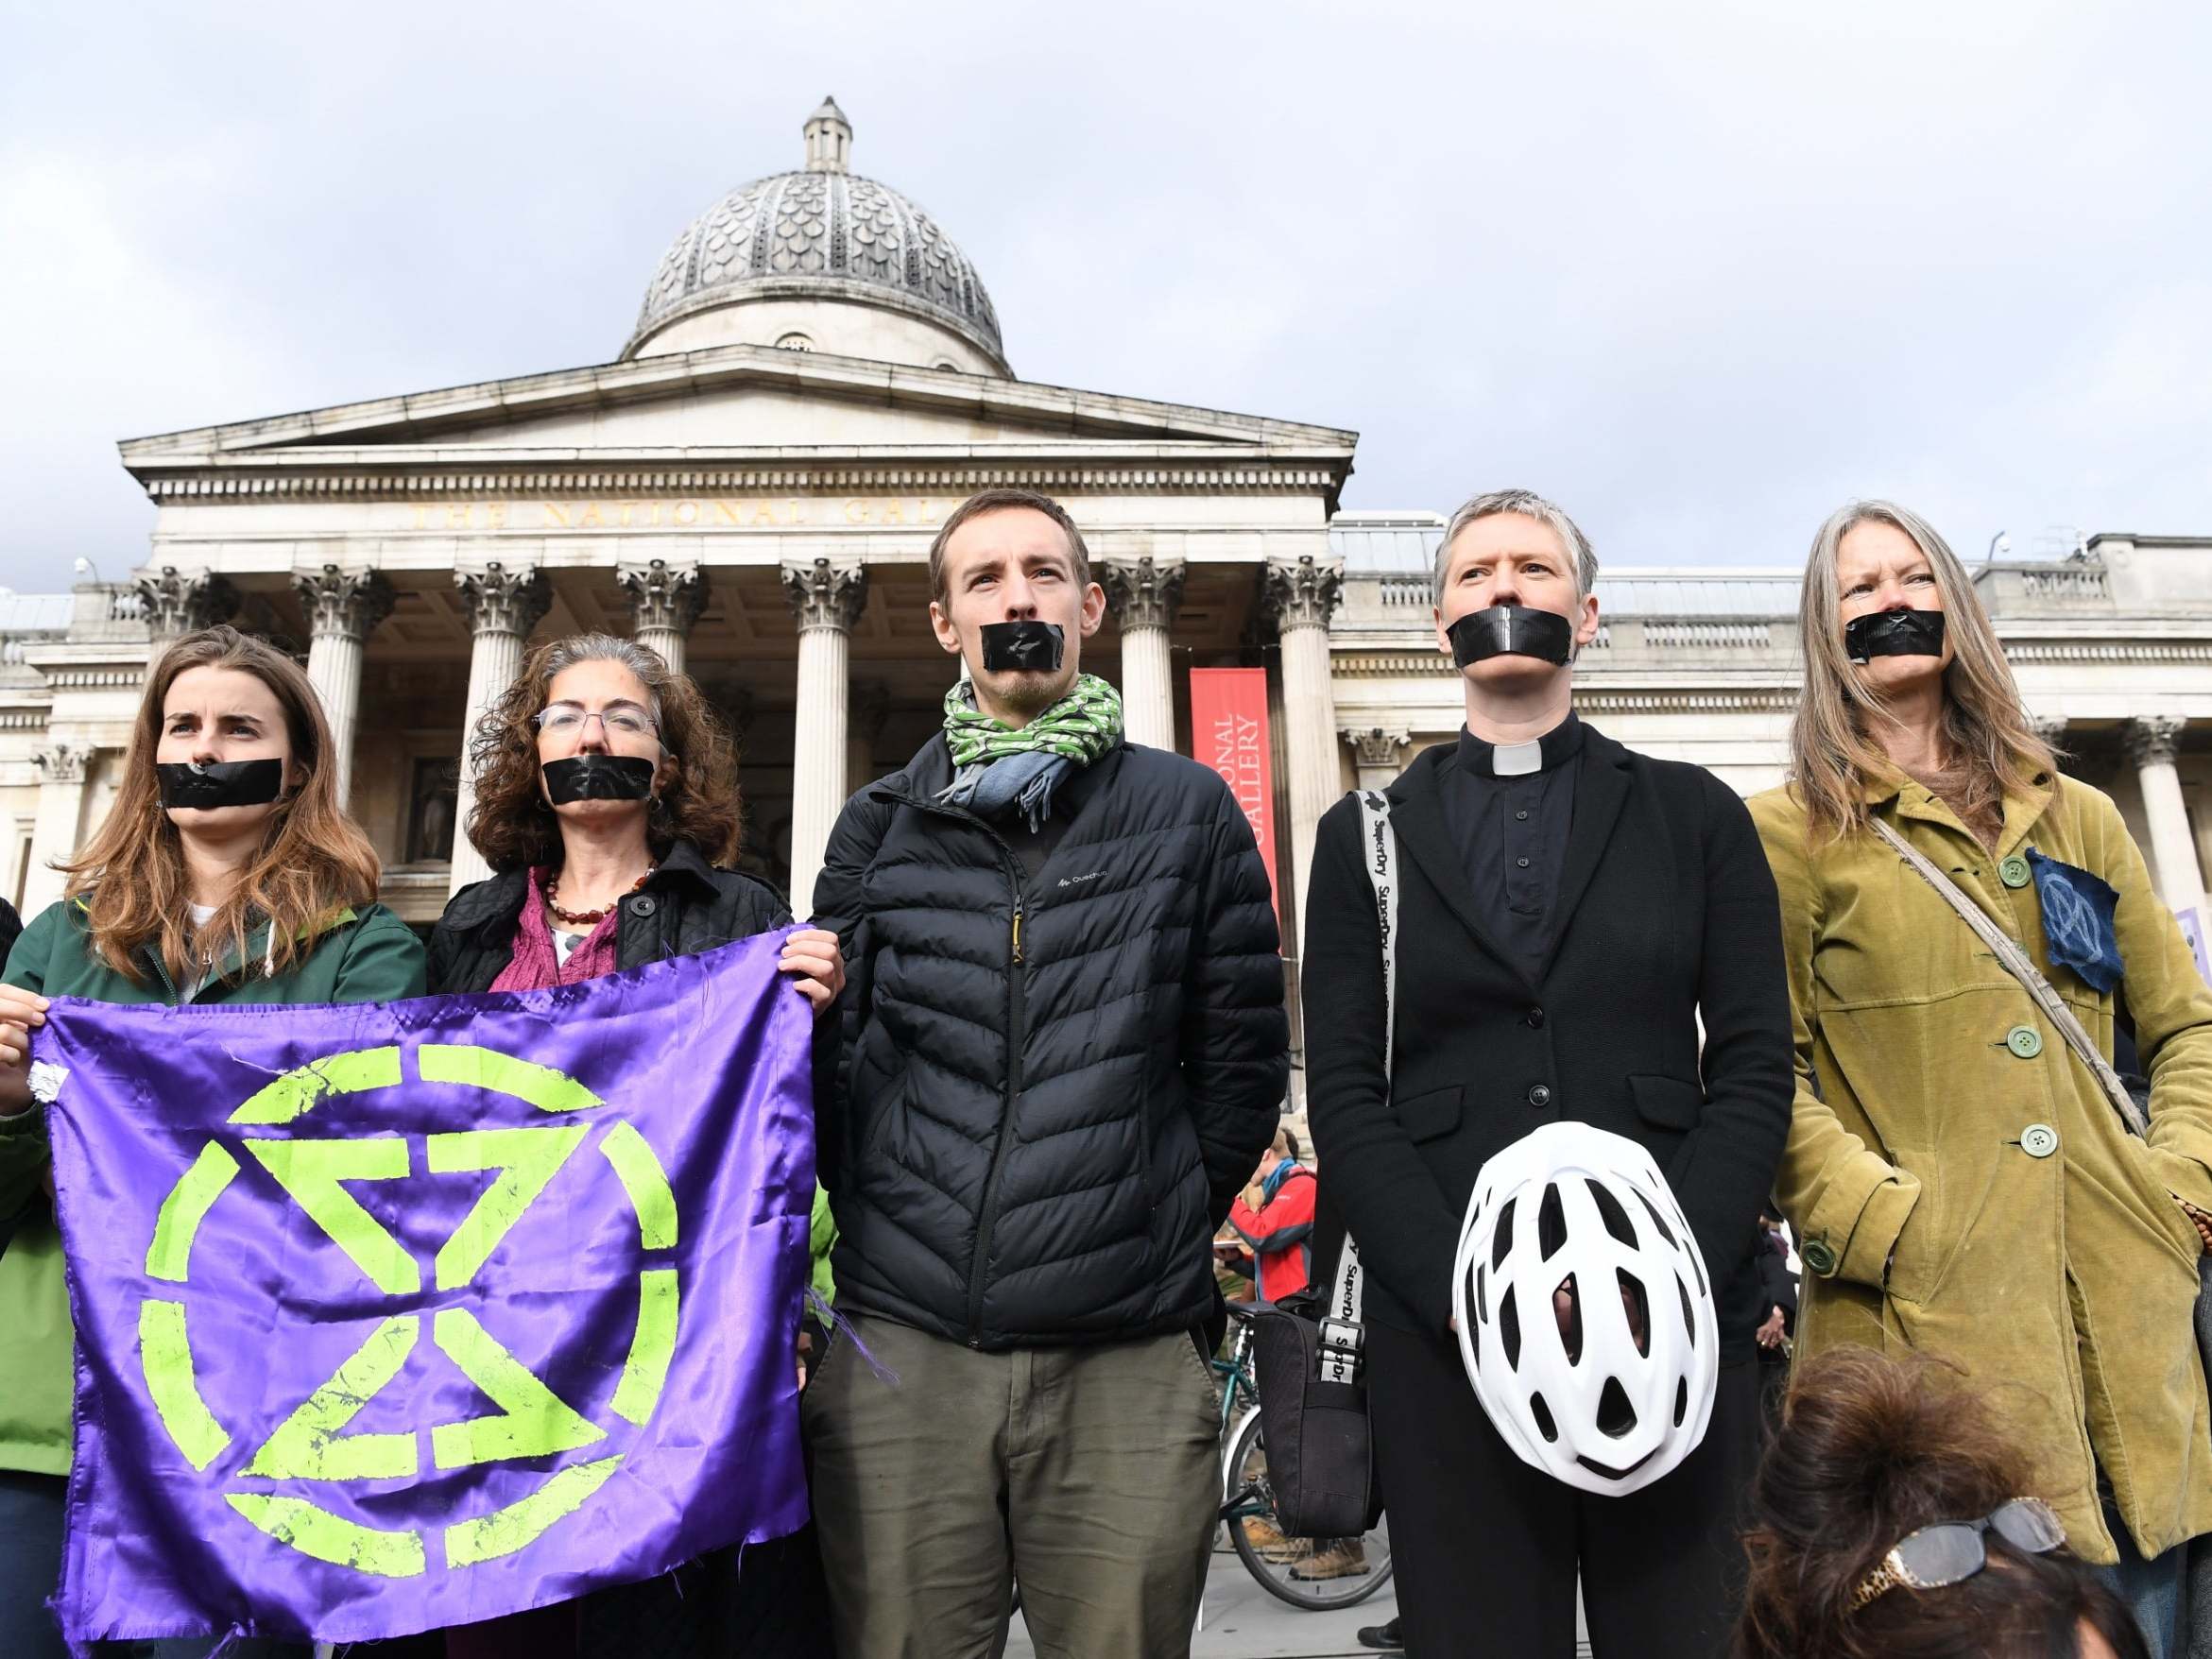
(1962, 1185)
(607, 805)
(226, 871)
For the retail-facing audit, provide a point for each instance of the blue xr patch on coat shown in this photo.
(2077, 920)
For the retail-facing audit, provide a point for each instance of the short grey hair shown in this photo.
(1529, 505)
(577, 649)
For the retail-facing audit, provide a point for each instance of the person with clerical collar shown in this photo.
(1567, 912)
(1064, 1044)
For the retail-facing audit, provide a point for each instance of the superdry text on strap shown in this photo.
(1342, 1336)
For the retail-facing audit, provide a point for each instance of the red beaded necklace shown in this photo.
(589, 918)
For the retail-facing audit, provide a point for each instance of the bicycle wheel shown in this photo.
(1313, 1573)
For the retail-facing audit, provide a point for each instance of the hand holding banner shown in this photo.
(394, 1317)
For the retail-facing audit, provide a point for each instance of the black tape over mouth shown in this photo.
(220, 783)
(1515, 630)
(1894, 633)
(1023, 647)
(599, 778)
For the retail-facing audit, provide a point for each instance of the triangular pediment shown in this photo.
(732, 401)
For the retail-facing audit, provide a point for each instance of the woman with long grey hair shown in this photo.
(1962, 1185)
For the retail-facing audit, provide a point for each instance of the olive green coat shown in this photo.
(2062, 1284)
(368, 956)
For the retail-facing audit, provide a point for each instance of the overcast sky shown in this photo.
(1698, 271)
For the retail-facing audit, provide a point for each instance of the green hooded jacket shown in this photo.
(370, 956)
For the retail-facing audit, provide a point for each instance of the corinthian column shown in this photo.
(827, 597)
(178, 601)
(503, 604)
(1300, 595)
(1375, 754)
(55, 830)
(1145, 594)
(343, 609)
(2153, 741)
(665, 600)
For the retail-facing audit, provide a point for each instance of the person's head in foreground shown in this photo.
(1891, 1520)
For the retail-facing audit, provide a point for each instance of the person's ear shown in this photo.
(941, 624)
(1093, 616)
(1586, 628)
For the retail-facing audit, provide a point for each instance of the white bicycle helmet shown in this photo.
(1599, 1408)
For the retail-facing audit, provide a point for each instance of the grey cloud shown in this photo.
(1699, 272)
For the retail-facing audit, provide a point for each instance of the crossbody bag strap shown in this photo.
(2017, 961)
(1341, 1336)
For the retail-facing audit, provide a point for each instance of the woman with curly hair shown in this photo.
(607, 805)
(226, 871)
(1891, 1520)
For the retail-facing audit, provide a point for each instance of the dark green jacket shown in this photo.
(370, 956)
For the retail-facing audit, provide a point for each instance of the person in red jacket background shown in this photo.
(1274, 1218)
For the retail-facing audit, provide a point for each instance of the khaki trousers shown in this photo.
(943, 1476)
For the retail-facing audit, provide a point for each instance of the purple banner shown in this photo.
(398, 1316)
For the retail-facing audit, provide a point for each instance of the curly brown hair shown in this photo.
(1873, 1449)
(510, 822)
(313, 863)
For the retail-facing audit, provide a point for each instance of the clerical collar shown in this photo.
(1561, 743)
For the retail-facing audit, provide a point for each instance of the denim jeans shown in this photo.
(31, 1564)
(2152, 1589)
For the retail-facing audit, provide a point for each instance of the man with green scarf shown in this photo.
(1063, 1045)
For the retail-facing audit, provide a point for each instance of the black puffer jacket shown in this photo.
(1051, 1087)
(686, 906)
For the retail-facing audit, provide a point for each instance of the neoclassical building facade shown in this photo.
(817, 376)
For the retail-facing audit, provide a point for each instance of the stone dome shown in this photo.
(821, 233)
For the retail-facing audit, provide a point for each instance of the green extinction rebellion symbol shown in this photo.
(311, 1443)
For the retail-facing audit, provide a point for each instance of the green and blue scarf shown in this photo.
(999, 767)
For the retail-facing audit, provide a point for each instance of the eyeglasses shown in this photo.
(1952, 1552)
(566, 719)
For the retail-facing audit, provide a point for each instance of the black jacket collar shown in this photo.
(930, 773)
(491, 906)
(1417, 814)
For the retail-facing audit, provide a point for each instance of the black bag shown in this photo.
(1313, 1420)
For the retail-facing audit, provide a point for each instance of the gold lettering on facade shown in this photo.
(736, 512)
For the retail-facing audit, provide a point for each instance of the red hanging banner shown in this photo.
(1229, 732)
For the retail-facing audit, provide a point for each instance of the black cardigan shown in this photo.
(1666, 911)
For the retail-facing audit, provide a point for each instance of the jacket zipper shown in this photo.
(987, 1218)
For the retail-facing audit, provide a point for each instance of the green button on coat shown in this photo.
(2014, 872)
(1819, 1256)
(2039, 1140)
(2025, 1041)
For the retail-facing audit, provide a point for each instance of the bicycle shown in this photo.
(1315, 1574)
